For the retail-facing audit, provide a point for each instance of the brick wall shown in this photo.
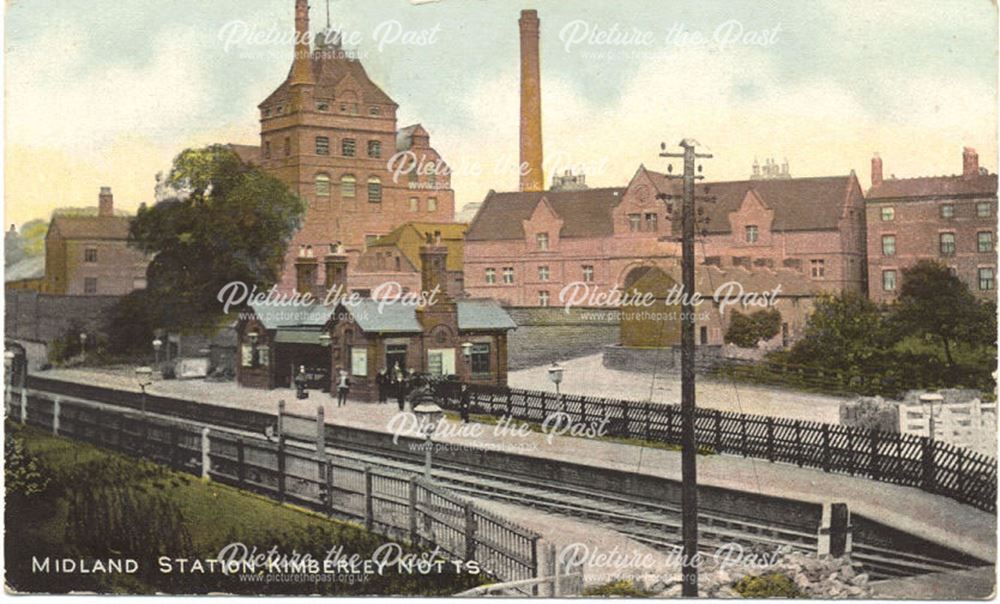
(46, 317)
(544, 335)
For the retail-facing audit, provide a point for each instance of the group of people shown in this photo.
(395, 382)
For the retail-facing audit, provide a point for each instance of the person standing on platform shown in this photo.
(382, 381)
(343, 386)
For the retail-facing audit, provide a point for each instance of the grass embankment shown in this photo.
(67, 499)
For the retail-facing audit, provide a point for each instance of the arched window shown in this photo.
(322, 185)
(374, 190)
(348, 186)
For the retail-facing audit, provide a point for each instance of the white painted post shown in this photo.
(24, 405)
(55, 415)
(206, 460)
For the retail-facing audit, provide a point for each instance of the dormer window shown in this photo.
(752, 233)
(542, 239)
(634, 222)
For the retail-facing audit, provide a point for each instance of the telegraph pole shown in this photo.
(689, 445)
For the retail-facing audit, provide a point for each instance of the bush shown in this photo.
(620, 587)
(746, 330)
(771, 585)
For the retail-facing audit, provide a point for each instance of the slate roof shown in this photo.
(329, 69)
(373, 317)
(452, 237)
(91, 227)
(250, 154)
(404, 138)
(585, 213)
(29, 268)
(935, 186)
(483, 314)
(275, 316)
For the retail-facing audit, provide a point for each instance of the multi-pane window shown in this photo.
(817, 268)
(90, 254)
(375, 149)
(543, 273)
(651, 222)
(588, 273)
(322, 106)
(348, 147)
(947, 211)
(947, 244)
(508, 275)
(322, 185)
(322, 145)
(984, 241)
(288, 146)
(543, 298)
(634, 222)
(491, 276)
(90, 285)
(889, 280)
(888, 245)
(480, 359)
(348, 186)
(888, 214)
(414, 204)
(432, 204)
(374, 111)
(983, 209)
(986, 279)
(752, 233)
(370, 240)
(374, 190)
(543, 241)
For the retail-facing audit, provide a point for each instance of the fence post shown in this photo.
(544, 410)
(240, 459)
(960, 474)
(281, 414)
(369, 503)
(320, 430)
(206, 459)
(770, 438)
(850, 451)
(510, 405)
(470, 532)
(329, 486)
(551, 570)
(414, 535)
(875, 467)
(55, 415)
(626, 427)
(175, 446)
(826, 447)
(717, 415)
(927, 481)
(534, 563)
(24, 406)
(281, 467)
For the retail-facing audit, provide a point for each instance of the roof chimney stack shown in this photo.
(876, 170)
(434, 266)
(335, 265)
(530, 168)
(970, 163)
(106, 202)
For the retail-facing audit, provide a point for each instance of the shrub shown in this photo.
(746, 330)
(620, 587)
(770, 585)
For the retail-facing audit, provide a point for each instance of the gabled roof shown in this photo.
(329, 69)
(483, 314)
(29, 268)
(585, 213)
(935, 186)
(249, 154)
(799, 204)
(91, 227)
(392, 317)
(410, 236)
(275, 316)
(404, 138)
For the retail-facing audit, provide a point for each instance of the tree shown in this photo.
(845, 332)
(747, 330)
(934, 302)
(228, 221)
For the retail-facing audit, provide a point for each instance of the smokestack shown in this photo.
(532, 178)
(876, 170)
(302, 76)
(970, 162)
(106, 202)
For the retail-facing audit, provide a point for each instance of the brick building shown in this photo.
(90, 255)
(950, 219)
(395, 258)
(330, 133)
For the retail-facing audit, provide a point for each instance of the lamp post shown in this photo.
(428, 414)
(83, 345)
(556, 374)
(157, 344)
(253, 335)
(144, 376)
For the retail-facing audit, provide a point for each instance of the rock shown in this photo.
(860, 580)
(727, 592)
(847, 572)
(674, 591)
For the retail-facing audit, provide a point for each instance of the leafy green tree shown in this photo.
(746, 330)
(33, 237)
(845, 332)
(228, 221)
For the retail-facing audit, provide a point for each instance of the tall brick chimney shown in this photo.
(302, 75)
(105, 202)
(876, 170)
(532, 178)
(970, 162)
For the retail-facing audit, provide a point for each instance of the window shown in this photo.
(543, 298)
(374, 190)
(374, 111)
(348, 147)
(267, 112)
(508, 275)
(267, 149)
(888, 214)
(353, 107)
(359, 362)
(543, 273)
(752, 233)
(480, 359)
(889, 280)
(288, 146)
(322, 145)
(432, 204)
(90, 285)
(817, 268)
(246, 355)
(90, 254)
(947, 211)
(322, 185)
(414, 204)
(986, 279)
(984, 241)
(323, 106)
(651, 222)
(947, 242)
(395, 354)
(634, 222)
(491, 276)
(370, 240)
(983, 209)
(703, 335)
(374, 149)
(432, 181)
(588, 273)
(343, 107)
(888, 245)
(543, 241)
(348, 186)
(279, 110)
(263, 355)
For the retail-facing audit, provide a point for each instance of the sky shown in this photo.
(107, 92)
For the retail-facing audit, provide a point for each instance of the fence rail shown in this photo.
(393, 504)
(904, 459)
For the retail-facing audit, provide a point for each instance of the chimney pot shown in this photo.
(970, 162)
(876, 170)
(106, 202)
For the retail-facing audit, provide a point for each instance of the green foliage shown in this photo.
(131, 322)
(618, 587)
(846, 332)
(33, 235)
(68, 346)
(24, 476)
(770, 585)
(746, 330)
(229, 222)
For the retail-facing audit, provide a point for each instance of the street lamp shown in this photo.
(324, 339)
(467, 350)
(428, 414)
(83, 345)
(556, 374)
(157, 345)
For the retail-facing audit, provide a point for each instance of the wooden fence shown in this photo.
(396, 505)
(931, 465)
